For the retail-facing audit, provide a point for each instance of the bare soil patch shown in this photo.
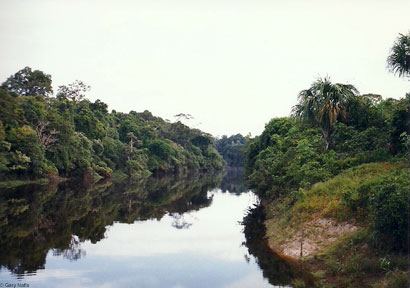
(317, 234)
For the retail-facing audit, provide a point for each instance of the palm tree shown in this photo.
(399, 58)
(324, 103)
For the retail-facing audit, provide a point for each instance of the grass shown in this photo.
(325, 199)
(352, 262)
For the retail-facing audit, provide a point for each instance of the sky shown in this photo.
(232, 64)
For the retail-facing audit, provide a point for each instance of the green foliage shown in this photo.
(389, 206)
(348, 197)
(365, 111)
(4, 151)
(315, 168)
(25, 143)
(19, 161)
(29, 83)
(290, 154)
(11, 113)
(73, 91)
(399, 58)
(383, 199)
(162, 150)
(202, 141)
(350, 260)
(400, 123)
(232, 149)
(324, 103)
(68, 135)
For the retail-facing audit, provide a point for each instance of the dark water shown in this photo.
(159, 233)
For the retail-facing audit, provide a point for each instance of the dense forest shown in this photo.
(343, 156)
(67, 135)
(232, 149)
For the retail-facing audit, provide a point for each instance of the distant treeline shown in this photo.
(232, 149)
(68, 135)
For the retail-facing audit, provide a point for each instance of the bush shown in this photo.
(356, 197)
(389, 206)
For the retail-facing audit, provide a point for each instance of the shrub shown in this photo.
(389, 206)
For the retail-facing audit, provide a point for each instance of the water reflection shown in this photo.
(38, 218)
(162, 232)
(233, 180)
(73, 253)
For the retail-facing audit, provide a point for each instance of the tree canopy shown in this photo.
(232, 149)
(71, 136)
(27, 82)
(325, 103)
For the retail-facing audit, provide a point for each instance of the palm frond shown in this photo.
(398, 62)
(324, 103)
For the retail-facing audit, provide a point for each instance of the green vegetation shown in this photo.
(68, 135)
(325, 103)
(399, 58)
(334, 174)
(340, 158)
(357, 197)
(232, 149)
(352, 262)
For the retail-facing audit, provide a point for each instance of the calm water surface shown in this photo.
(160, 233)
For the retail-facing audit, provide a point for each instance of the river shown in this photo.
(163, 232)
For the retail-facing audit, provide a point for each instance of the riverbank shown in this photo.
(330, 229)
(93, 178)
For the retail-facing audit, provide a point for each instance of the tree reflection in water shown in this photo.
(233, 180)
(73, 253)
(179, 221)
(35, 219)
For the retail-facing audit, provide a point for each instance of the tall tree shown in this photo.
(399, 58)
(74, 91)
(29, 83)
(324, 103)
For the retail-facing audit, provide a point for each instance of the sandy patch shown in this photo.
(317, 234)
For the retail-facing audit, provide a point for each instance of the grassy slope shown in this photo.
(341, 260)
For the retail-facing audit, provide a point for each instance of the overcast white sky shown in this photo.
(232, 64)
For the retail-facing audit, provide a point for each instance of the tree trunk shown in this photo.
(326, 137)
